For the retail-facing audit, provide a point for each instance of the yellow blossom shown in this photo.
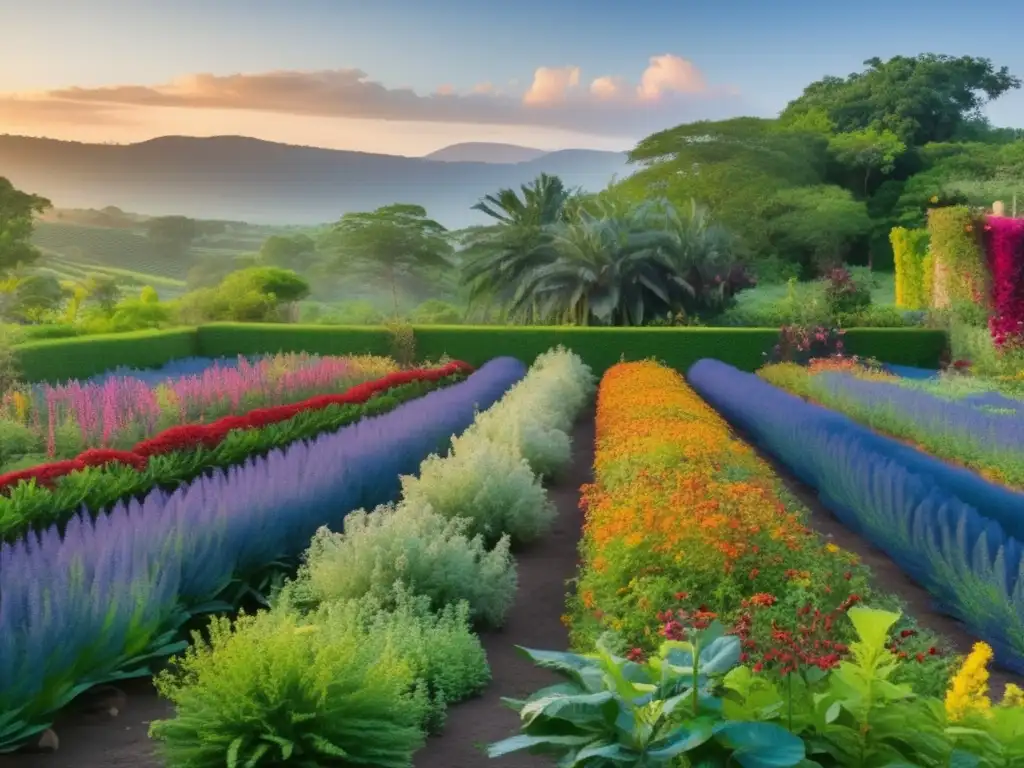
(1013, 696)
(968, 690)
(831, 548)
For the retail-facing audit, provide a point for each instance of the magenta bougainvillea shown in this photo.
(1005, 241)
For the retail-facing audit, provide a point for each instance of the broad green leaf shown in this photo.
(761, 745)
(521, 742)
(682, 739)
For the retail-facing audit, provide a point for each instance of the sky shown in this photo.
(408, 77)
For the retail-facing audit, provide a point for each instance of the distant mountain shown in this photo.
(261, 182)
(486, 152)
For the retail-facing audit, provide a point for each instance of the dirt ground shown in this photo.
(90, 737)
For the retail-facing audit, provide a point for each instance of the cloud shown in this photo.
(669, 91)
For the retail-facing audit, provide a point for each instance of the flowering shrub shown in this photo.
(428, 553)
(1006, 261)
(685, 525)
(117, 411)
(801, 344)
(843, 294)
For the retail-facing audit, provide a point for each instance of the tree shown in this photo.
(103, 291)
(921, 99)
(172, 236)
(17, 221)
(297, 252)
(868, 150)
(37, 296)
(495, 257)
(817, 226)
(390, 242)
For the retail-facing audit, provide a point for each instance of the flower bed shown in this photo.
(112, 594)
(685, 524)
(983, 431)
(117, 412)
(358, 610)
(908, 504)
(97, 479)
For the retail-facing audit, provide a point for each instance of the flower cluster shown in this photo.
(1005, 241)
(191, 436)
(799, 344)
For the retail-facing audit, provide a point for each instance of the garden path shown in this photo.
(534, 622)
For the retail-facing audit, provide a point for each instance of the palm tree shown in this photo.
(495, 257)
(602, 267)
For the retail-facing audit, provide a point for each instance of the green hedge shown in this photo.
(57, 360)
(229, 339)
(60, 359)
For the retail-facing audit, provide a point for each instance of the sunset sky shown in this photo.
(406, 77)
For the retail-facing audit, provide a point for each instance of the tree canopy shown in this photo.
(920, 99)
(17, 220)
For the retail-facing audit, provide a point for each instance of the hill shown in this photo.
(486, 152)
(238, 178)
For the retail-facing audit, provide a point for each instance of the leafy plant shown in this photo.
(275, 689)
(616, 712)
(413, 546)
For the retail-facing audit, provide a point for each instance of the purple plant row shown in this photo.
(77, 611)
(954, 533)
(940, 416)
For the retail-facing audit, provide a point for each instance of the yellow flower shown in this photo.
(831, 548)
(968, 690)
(935, 198)
(1013, 696)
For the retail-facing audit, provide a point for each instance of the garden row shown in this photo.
(948, 528)
(92, 482)
(728, 631)
(374, 638)
(56, 360)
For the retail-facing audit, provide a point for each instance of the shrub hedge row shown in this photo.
(61, 359)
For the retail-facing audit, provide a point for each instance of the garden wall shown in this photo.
(61, 359)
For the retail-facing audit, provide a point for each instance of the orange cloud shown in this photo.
(670, 90)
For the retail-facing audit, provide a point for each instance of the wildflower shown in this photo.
(1013, 696)
(831, 548)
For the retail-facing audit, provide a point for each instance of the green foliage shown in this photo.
(914, 268)
(402, 341)
(10, 367)
(817, 227)
(172, 236)
(489, 484)
(959, 258)
(868, 150)
(613, 711)
(388, 243)
(920, 99)
(295, 252)
(36, 297)
(17, 220)
(275, 689)
(412, 545)
(60, 359)
(437, 312)
(256, 294)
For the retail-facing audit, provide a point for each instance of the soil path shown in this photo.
(534, 622)
(95, 739)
